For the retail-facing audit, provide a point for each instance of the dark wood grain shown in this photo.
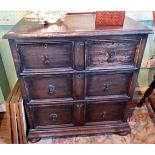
(110, 52)
(46, 115)
(88, 129)
(79, 56)
(108, 83)
(77, 78)
(49, 86)
(79, 114)
(78, 86)
(100, 111)
(46, 55)
(15, 54)
(74, 25)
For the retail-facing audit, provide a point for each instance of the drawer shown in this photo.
(96, 112)
(49, 86)
(102, 53)
(45, 55)
(55, 114)
(107, 83)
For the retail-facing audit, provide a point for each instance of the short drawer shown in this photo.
(49, 86)
(107, 84)
(96, 112)
(101, 53)
(55, 114)
(45, 55)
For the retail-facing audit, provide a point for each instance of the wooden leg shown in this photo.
(147, 93)
(123, 133)
(152, 102)
(34, 140)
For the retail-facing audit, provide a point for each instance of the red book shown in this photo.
(113, 18)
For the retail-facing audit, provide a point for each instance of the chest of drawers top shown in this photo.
(74, 25)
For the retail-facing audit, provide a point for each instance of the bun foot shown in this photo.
(35, 140)
(124, 133)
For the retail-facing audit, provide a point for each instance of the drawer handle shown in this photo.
(111, 54)
(51, 89)
(106, 87)
(103, 115)
(46, 60)
(54, 117)
(45, 45)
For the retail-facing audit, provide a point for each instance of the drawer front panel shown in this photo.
(46, 55)
(104, 84)
(96, 112)
(110, 52)
(49, 86)
(44, 115)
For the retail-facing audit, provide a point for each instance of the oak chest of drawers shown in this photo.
(77, 78)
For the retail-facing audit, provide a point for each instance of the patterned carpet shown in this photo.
(141, 121)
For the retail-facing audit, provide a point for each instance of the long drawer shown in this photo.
(75, 114)
(79, 86)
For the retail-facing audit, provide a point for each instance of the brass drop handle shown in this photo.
(53, 117)
(46, 60)
(111, 53)
(45, 45)
(51, 89)
(106, 87)
(103, 115)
